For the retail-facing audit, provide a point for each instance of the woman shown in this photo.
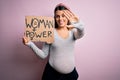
(61, 64)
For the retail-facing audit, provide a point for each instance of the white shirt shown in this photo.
(61, 50)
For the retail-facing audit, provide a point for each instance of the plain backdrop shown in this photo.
(97, 54)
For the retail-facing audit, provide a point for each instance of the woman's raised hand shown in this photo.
(70, 16)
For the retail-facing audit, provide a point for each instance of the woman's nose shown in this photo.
(60, 17)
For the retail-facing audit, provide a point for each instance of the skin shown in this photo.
(62, 17)
(62, 21)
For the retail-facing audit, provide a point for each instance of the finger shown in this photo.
(25, 40)
(67, 15)
(69, 12)
(70, 26)
(71, 17)
(24, 37)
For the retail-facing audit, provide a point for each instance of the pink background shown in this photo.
(97, 53)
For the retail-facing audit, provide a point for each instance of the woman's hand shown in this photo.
(70, 16)
(25, 40)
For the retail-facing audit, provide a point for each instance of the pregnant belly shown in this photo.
(63, 65)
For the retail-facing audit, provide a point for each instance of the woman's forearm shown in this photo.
(41, 53)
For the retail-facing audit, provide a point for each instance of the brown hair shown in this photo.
(60, 6)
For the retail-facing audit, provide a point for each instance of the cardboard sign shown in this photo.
(39, 28)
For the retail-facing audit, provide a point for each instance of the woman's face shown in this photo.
(61, 18)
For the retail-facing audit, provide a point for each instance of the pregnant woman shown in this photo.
(61, 63)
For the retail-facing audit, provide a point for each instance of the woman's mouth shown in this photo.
(61, 22)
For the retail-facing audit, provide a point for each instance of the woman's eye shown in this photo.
(57, 16)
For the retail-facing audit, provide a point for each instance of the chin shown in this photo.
(61, 25)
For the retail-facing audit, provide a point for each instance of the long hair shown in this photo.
(60, 6)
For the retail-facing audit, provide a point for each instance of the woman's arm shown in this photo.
(41, 53)
(78, 29)
(76, 25)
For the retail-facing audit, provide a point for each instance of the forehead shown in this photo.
(59, 12)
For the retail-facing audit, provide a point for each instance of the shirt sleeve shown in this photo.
(78, 30)
(42, 53)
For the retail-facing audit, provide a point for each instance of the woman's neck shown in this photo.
(63, 32)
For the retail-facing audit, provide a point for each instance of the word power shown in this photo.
(39, 28)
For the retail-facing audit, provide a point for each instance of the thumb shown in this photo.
(70, 26)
